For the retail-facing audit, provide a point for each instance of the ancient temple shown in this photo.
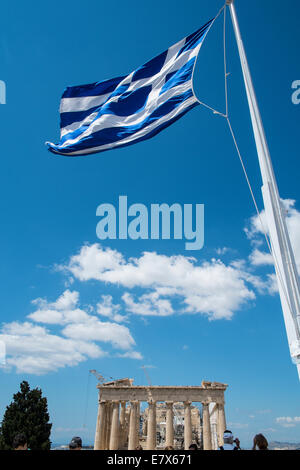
(174, 416)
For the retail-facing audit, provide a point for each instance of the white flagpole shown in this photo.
(284, 260)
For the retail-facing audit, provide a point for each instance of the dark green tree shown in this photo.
(28, 414)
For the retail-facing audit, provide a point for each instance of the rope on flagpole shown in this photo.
(246, 174)
(225, 62)
(215, 111)
(226, 116)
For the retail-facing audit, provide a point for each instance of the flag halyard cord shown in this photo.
(285, 265)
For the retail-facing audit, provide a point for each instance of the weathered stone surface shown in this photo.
(163, 393)
(166, 405)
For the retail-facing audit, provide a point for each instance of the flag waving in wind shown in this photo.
(129, 109)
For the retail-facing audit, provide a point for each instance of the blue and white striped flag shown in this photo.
(129, 109)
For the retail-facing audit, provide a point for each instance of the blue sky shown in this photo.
(91, 303)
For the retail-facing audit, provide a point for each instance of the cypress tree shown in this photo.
(28, 414)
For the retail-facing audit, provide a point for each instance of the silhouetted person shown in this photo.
(20, 442)
(76, 443)
(193, 447)
(260, 441)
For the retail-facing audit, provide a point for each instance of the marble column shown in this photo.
(114, 432)
(100, 428)
(187, 425)
(108, 413)
(151, 427)
(122, 429)
(105, 421)
(213, 416)
(169, 424)
(221, 423)
(127, 420)
(206, 428)
(132, 426)
(138, 413)
(145, 424)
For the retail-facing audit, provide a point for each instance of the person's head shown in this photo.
(228, 437)
(260, 441)
(193, 447)
(169, 448)
(76, 443)
(138, 448)
(20, 442)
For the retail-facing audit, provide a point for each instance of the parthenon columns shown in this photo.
(151, 436)
(187, 425)
(116, 423)
(206, 427)
(169, 424)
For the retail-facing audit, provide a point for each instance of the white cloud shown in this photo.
(148, 304)
(95, 330)
(272, 284)
(107, 309)
(63, 311)
(92, 263)
(255, 231)
(32, 348)
(259, 258)
(212, 288)
(287, 421)
(131, 355)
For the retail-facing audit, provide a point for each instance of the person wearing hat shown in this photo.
(76, 443)
(229, 441)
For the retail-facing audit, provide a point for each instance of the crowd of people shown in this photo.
(230, 443)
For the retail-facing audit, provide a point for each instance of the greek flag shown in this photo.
(129, 109)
